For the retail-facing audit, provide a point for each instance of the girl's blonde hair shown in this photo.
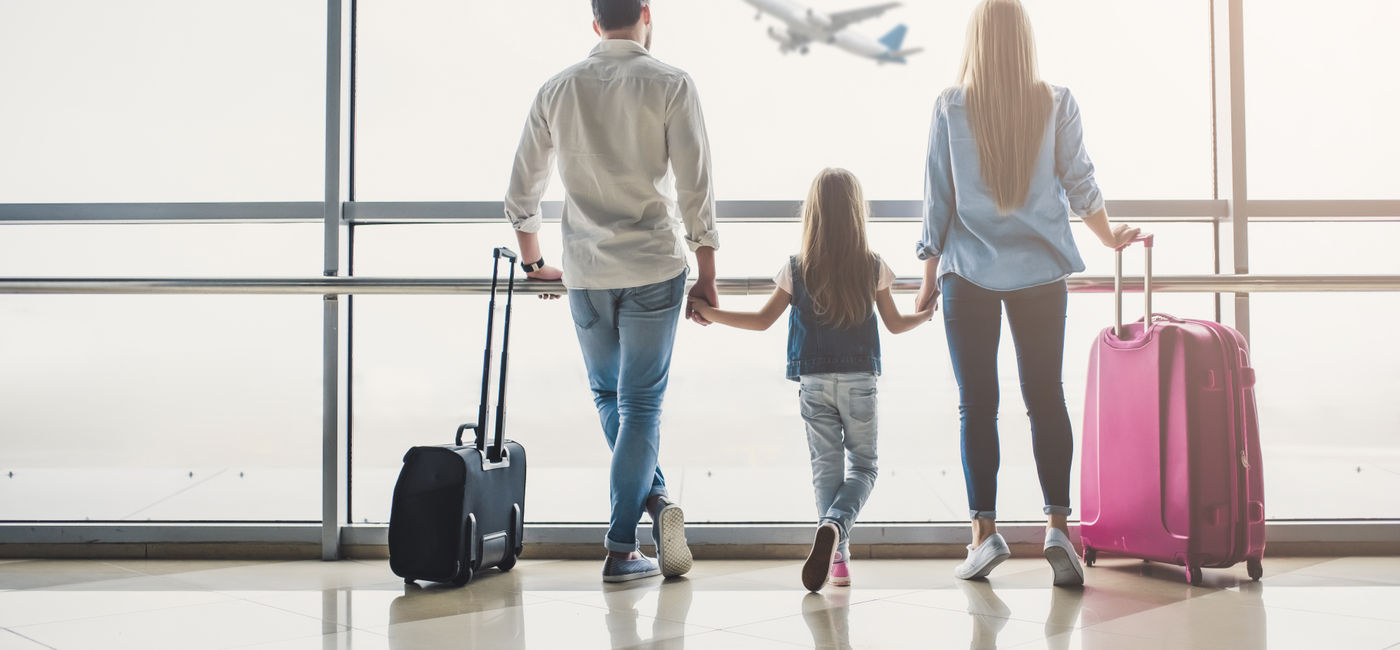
(837, 266)
(1008, 105)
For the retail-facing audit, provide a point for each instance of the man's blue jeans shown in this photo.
(627, 336)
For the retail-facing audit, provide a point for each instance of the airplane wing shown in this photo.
(843, 19)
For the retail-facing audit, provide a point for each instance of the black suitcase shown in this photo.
(460, 509)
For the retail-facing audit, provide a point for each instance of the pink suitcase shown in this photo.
(1171, 469)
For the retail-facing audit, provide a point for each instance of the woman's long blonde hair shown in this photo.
(837, 266)
(1008, 105)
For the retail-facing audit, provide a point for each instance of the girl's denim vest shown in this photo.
(817, 348)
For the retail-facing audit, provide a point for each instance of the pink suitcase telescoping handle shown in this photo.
(1147, 241)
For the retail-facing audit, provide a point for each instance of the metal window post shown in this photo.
(1231, 170)
(332, 469)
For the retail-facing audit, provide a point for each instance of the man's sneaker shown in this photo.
(982, 559)
(1063, 559)
(818, 565)
(840, 572)
(668, 531)
(622, 570)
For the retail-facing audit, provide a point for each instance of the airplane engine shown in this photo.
(781, 37)
(818, 20)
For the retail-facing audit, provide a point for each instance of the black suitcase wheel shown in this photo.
(513, 545)
(1256, 569)
(461, 579)
(1193, 575)
(1090, 556)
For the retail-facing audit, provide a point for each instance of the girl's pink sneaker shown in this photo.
(840, 572)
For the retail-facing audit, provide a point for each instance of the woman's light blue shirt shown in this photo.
(1028, 247)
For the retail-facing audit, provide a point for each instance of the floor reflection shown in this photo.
(673, 598)
(828, 617)
(990, 614)
(497, 611)
(1302, 603)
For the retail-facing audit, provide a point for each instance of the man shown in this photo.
(621, 125)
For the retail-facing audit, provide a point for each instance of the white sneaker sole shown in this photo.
(1066, 567)
(628, 577)
(986, 569)
(672, 552)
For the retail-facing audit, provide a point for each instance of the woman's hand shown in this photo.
(927, 300)
(1121, 235)
(547, 274)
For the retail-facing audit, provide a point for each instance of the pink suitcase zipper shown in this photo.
(1171, 467)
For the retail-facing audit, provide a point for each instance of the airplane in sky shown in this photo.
(804, 26)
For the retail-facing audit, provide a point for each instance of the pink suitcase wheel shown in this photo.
(1193, 575)
(1090, 556)
(1256, 569)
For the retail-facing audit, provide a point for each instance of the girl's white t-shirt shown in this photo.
(784, 277)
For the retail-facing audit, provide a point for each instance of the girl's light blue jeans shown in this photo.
(840, 410)
(627, 336)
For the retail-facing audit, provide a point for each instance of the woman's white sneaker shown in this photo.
(982, 559)
(1063, 559)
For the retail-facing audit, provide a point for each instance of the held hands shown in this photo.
(697, 307)
(547, 274)
(927, 301)
(703, 297)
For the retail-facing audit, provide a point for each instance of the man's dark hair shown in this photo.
(617, 14)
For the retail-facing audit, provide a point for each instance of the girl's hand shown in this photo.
(1122, 235)
(698, 305)
(927, 300)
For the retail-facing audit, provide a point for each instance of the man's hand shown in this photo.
(698, 306)
(547, 274)
(703, 291)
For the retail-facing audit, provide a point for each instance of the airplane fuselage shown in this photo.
(816, 27)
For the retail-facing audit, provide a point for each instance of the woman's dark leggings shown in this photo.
(972, 317)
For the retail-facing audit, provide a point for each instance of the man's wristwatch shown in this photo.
(533, 266)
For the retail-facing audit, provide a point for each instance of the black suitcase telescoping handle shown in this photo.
(494, 450)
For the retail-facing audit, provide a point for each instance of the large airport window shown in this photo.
(161, 408)
(1320, 97)
(162, 100)
(444, 87)
(730, 426)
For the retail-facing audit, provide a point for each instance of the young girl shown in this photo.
(834, 351)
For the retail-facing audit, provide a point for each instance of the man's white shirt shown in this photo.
(629, 138)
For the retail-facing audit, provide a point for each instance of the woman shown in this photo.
(1006, 166)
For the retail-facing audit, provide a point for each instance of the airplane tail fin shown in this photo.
(895, 39)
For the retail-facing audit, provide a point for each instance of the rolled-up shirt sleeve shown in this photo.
(939, 197)
(1072, 164)
(688, 146)
(529, 178)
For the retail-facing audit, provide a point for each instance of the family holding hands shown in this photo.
(1006, 167)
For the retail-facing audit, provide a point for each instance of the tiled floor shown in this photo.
(1301, 603)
